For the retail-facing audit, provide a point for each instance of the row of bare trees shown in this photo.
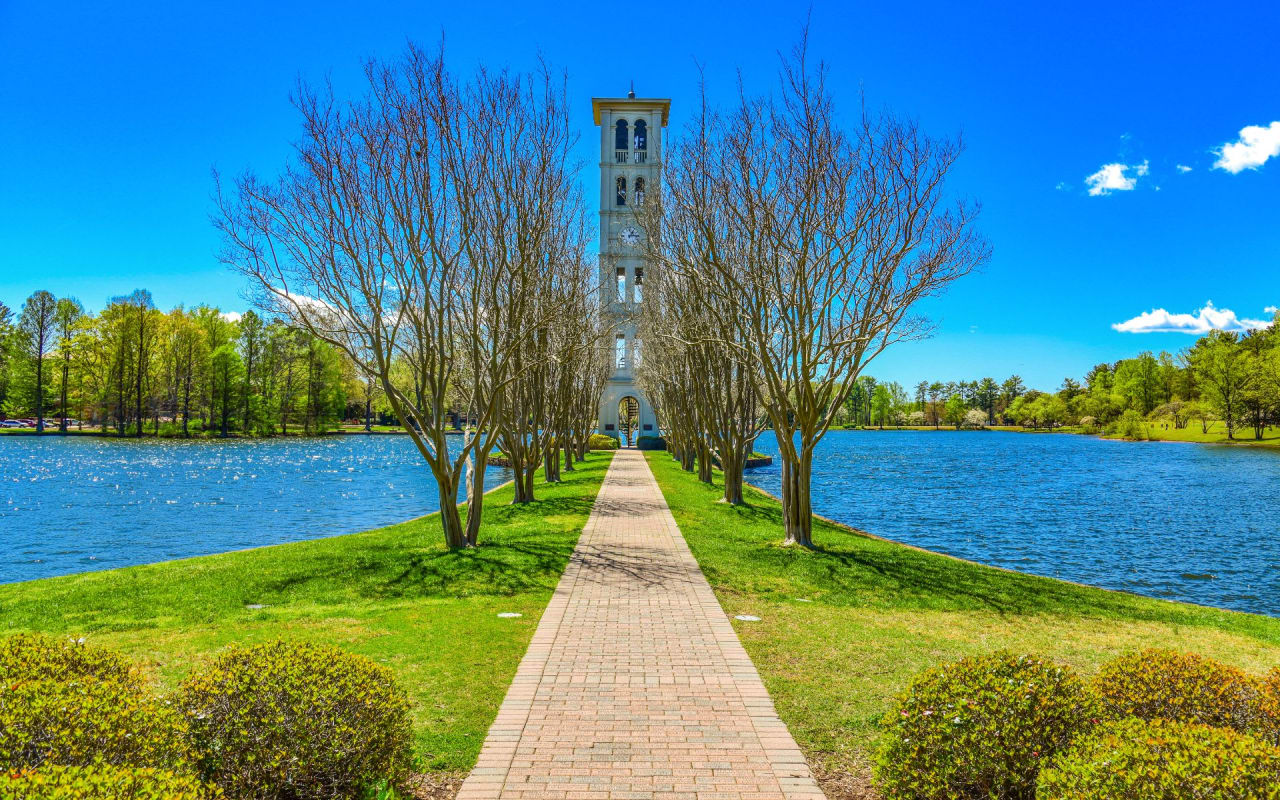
(435, 229)
(792, 250)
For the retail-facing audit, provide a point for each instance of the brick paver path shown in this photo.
(635, 685)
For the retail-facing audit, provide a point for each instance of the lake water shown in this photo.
(76, 503)
(1199, 523)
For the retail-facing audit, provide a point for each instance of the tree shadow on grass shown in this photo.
(512, 558)
(739, 548)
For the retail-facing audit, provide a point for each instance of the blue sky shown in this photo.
(112, 116)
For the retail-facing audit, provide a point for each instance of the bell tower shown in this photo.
(630, 168)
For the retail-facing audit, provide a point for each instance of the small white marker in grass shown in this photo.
(509, 615)
(747, 618)
(255, 606)
(803, 600)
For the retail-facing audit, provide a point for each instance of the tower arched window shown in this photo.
(642, 137)
(622, 190)
(639, 191)
(620, 135)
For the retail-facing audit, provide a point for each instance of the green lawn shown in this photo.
(1217, 434)
(880, 612)
(395, 594)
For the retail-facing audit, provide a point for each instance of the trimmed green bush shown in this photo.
(601, 441)
(1135, 759)
(981, 728)
(651, 443)
(297, 721)
(1268, 724)
(86, 722)
(40, 657)
(102, 783)
(1183, 687)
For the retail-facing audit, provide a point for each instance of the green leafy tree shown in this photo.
(955, 410)
(1138, 381)
(6, 350)
(1226, 374)
(881, 404)
(67, 315)
(986, 395)
(1011, 390)
(252, 336)
(227, 378)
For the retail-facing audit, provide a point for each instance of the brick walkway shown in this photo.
(635, 685)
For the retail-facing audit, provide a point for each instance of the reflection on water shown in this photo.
(69, 504)
(1198, 523)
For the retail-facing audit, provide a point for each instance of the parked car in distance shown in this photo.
(12, 423)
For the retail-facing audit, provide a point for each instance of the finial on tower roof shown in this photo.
(631, 93)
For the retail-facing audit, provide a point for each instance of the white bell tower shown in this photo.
(630, 168)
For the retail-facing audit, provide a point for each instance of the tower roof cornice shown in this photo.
(629, 104)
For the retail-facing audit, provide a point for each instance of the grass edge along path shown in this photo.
(394, 594)
(844, 627)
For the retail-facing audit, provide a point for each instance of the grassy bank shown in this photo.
(845, 627)
(394, 594)
(1156, 432)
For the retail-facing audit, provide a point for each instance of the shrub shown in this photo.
(1136, 759)
(651, 443)
(1268, 723)
(601, 441)
(1162, 684)
(76, 724)
(1131, 425)
(980, 728)
(296, 721)
(38, 657)
(102, 783)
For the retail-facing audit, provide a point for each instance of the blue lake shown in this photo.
(70, 504)
(1199, 523)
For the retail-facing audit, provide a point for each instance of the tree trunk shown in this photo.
(39, 393)
(475, 498)
(732, 464)
(686, 459)
(705, 470)
(368, 415)
(797, 515)
(186, 404)
(66, 371)
(524, 483)
(455, 536)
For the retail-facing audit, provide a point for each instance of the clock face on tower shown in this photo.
(630, 236)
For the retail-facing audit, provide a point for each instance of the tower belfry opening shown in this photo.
(631, 134)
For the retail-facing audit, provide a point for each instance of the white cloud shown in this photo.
(1201, 322)
(1183, 168)
(1255, 145)
(231, 316)
(1271, 309)
(1062, 186)
(1115, 178)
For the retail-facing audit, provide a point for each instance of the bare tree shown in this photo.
(412, 232)
(823, 238)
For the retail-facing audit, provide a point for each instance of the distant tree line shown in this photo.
(134, 369)
(1225, 377)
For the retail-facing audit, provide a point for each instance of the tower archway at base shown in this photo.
(628, 419)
